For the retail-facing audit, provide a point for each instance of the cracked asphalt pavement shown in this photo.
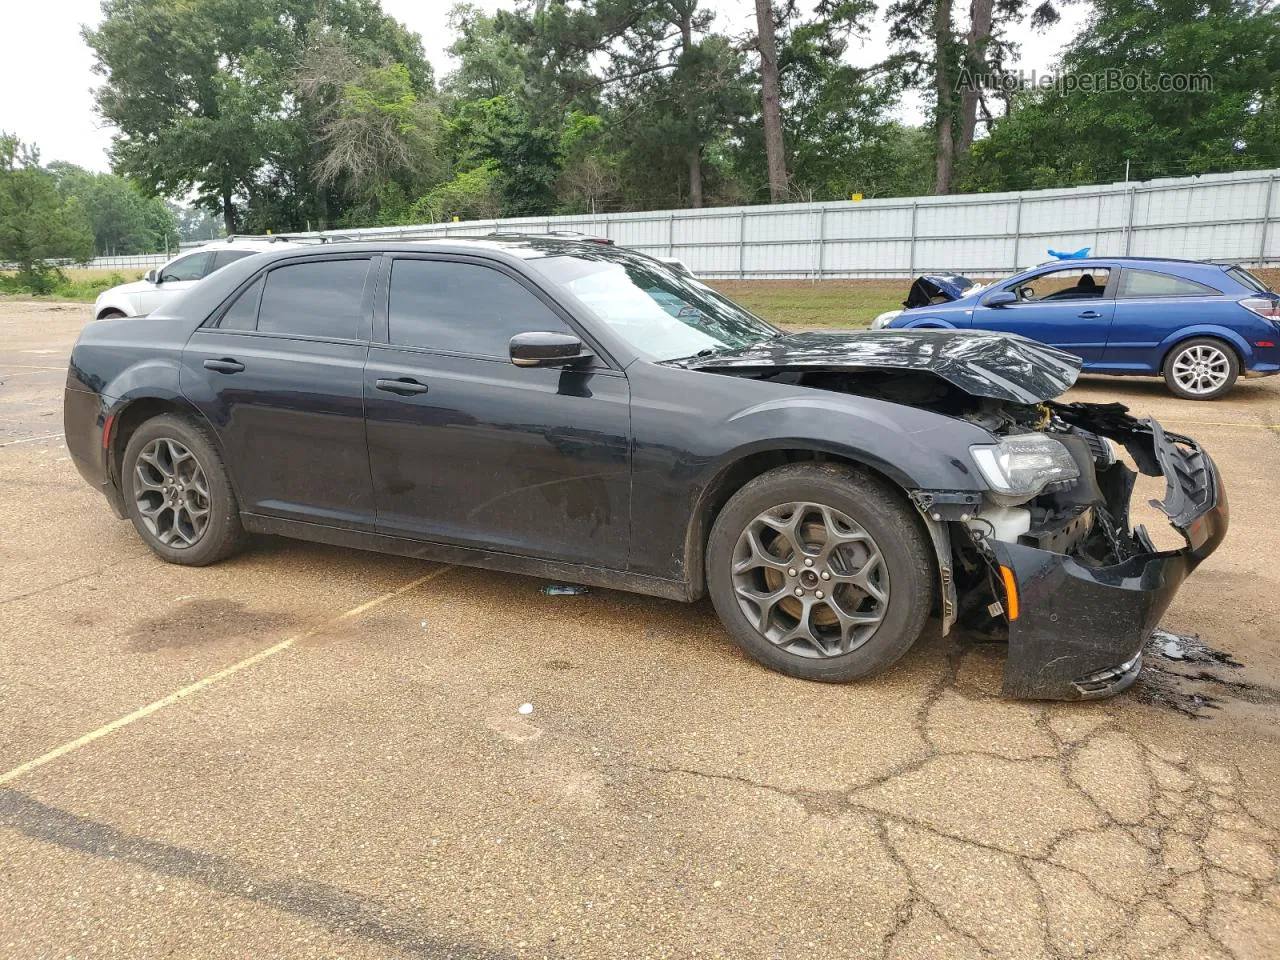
(364, 785)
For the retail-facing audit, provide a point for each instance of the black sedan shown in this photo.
(580, 412)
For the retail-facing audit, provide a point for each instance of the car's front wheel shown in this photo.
(178, 493)
(1201, 369)
(820, 571)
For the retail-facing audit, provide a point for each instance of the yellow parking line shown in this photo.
(209, 681)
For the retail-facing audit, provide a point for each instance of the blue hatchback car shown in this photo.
(1198, 325)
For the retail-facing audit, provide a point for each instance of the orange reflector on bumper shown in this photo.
(1010, 592)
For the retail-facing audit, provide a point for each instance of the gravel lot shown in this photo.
(367, 787)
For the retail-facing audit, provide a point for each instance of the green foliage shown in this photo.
(209, 99)
(837, 119)
(122, 219)
(37, 224)
(292, 114)
(194, 223)
(525, 155)
(470, 195)
(1054, 139)
(73, 284)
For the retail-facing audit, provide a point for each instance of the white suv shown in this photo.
(180, 274)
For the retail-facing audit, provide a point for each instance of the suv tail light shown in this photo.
(1262, 306)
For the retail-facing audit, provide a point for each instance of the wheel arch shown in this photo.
(1237, 343)
(134, 412)
(928, 323)
(735, 474)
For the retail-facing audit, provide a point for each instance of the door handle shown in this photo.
(405, 386)
(1091, 315)
(225, 365)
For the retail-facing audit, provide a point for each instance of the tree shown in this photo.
(377, 139)
(681, 89)
(194, 223)
(771, 99)
(122, 219)
(36, 223)
(490, 63)
(195, 88)
(205, 94)
(525, 154)
(1061, 137)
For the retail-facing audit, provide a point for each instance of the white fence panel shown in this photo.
(1230, 216)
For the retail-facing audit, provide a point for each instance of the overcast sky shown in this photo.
(46, 71)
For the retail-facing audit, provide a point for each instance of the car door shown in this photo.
(280, 376)
(173, 279)
(1066, 307)
(1150, 305)
(467, 448)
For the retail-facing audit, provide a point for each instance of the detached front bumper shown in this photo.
(1076, 632)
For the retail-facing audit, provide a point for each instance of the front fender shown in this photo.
(109, 301)
(917, 449)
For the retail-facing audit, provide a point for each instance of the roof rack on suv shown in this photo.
(280, 237)
(559, 234)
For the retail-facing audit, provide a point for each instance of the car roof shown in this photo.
(1170, 263)
(499, 246)
(1213, 274)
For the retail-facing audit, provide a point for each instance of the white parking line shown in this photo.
(45, 436)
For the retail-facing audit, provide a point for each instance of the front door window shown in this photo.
(1089, 283)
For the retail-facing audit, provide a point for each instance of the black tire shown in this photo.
(222, 534)
(110, 314)
(881, 512)
(1204, 351)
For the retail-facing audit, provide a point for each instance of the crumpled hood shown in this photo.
(982, 364)
(945, 286)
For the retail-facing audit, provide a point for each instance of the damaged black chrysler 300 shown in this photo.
(571, 410)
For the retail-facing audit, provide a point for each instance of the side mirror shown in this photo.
(546, 349)
(1001, 298)
(151, 276)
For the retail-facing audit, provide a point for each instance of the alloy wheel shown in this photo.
(811, 580)
(172, 493)
(1201, 369)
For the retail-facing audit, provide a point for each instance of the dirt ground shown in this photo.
(311, 752)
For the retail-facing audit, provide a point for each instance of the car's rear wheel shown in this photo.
(178, 493)
(1201, 369)
(820, 571)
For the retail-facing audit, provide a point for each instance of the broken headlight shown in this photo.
(1022, 466)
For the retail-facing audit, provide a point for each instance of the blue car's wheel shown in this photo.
(1201, 369)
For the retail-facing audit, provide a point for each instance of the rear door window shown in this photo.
(243, 312)
(223, 257)
(315, 299)
(462, 308)
(1148, 283)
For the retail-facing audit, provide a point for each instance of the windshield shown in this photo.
(663, 313)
